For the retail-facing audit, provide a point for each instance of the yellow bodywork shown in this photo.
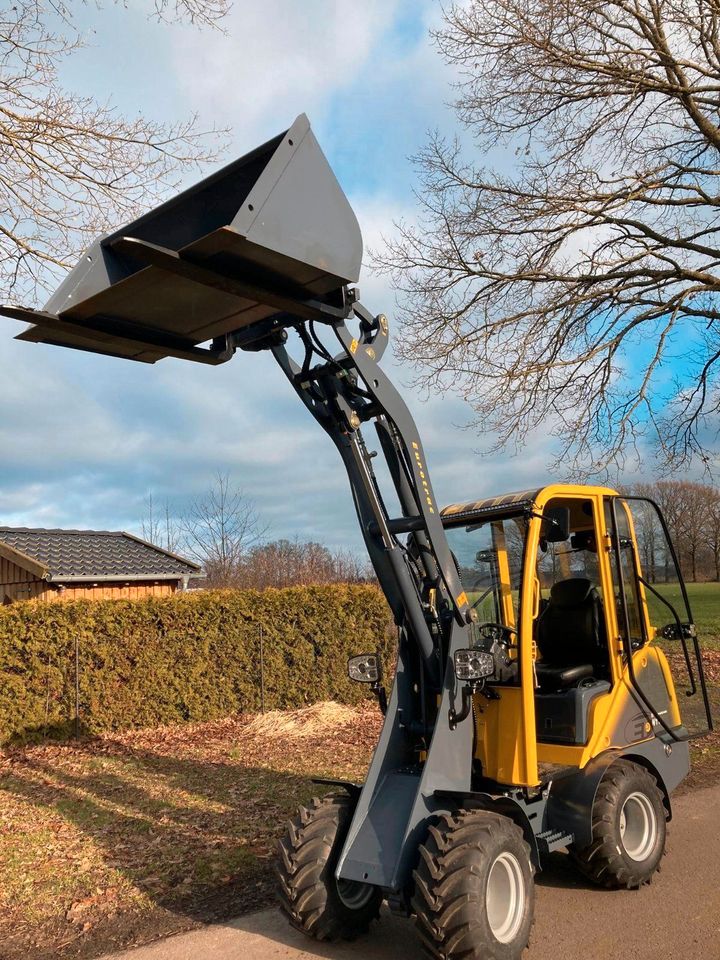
(506, 740)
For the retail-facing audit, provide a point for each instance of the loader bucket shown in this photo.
(273, 226)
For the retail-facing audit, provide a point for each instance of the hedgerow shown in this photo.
(190, 657)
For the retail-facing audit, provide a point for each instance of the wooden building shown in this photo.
(38, 564)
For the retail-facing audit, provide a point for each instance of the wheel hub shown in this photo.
(638, 827)
(505, 897)
(353, 894)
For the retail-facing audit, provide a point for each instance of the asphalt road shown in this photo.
(677, 917)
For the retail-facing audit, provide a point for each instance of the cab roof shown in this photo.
(517, 502)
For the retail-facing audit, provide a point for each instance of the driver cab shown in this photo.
(557, 596)
(540, 596)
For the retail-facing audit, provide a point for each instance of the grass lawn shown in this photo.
(705, 606)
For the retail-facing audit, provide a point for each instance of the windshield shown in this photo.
(489, 556)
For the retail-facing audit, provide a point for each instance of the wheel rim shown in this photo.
(354, 894)
(638, 826)
(505, 897)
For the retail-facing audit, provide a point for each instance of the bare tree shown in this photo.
(692, 514)
(287, 563)
(566, 288)
(668, 494)
(693, 497)
(219, 529)
(158, 525)
(150, 522)
(712, 528)
(650, 545)
(351, 568)
(70, 166)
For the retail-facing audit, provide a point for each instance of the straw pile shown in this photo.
(308, 722)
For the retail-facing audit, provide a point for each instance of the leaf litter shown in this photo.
(119, 839)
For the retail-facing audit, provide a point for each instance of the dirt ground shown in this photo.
(124, 839)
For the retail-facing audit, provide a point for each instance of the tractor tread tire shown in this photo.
(307, 855)
(603, 861)
(449, 895)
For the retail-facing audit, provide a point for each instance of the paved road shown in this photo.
(676, 918)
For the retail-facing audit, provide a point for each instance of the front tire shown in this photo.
(313, 900)
(628, 827)
(474, 889)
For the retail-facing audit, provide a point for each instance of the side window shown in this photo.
(657, 565)
(624, 572)
(574, 558)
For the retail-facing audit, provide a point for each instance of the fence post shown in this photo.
(77, 687)
(47, 696)
(262, 671)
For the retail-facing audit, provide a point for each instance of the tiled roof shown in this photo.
(95, 555)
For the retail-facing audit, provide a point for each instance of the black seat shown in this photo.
(571, 636)
(556, 678)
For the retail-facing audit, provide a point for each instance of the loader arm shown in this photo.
(417, 754)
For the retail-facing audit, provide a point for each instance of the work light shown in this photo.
(473, 664)
(364, 668)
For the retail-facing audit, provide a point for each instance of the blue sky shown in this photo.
(86, 438)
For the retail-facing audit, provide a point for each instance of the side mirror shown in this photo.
(584, 540)
(364, 668)
(557, 524)
(686, 631)
(473, 665)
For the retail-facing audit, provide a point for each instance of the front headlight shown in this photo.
(364, 668)
(473, 665)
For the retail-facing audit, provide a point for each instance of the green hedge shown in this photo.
(191, 657)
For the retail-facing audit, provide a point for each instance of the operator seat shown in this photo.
(571, 636)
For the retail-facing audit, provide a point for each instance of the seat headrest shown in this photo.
(571, 593)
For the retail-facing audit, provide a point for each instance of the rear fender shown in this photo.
(571, 799)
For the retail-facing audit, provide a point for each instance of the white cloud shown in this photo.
(277, 59)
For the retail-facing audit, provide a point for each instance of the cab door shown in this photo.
(658, 639)
(573, 669)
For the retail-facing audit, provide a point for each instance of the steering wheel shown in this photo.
(502, 632)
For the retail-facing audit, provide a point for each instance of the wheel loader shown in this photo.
(534, 705)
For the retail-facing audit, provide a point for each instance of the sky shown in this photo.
(85, 439)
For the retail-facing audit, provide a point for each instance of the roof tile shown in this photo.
(95, 553)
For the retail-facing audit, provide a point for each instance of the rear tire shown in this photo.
(628, 828)
(313, 900)
(474, 890)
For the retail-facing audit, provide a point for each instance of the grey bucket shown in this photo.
(275, 219)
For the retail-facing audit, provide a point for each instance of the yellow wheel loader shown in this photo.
(534, 705)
